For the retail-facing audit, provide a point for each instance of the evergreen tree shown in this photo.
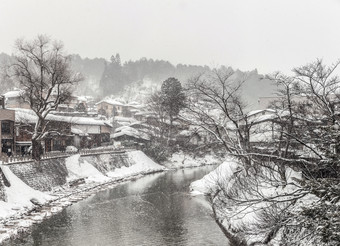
(172, 99)
(113, 78)
(118, 60)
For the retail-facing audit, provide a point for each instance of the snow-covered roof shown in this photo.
(82, 98)
(15, 93)
(139, 123)
(118, 129)
(135, 105)
(258, 118)
(146, 113)
(124, 119)
(78, 132)
(28, 116)
(271, 116)
(111, 101)
(266, 136)
(255, 112)
(129, 131)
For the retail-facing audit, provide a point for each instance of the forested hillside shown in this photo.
(135, 79)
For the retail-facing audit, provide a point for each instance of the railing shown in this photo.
(63, 154)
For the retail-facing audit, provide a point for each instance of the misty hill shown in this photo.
(117, 76)
(92, 70)
(103, 78)
(134, 80)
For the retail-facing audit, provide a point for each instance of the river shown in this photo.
(156, 209)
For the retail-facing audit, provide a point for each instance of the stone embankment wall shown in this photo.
(42, 176)
(107, 162)
(3, 182)
(51, 173)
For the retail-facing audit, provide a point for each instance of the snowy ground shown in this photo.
(143, 165)
(183, 160)
(210, 181)
(242, 217)
(25, 206)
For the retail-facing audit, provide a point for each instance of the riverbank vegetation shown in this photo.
(282, 186)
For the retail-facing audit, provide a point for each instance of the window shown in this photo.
(5, 127)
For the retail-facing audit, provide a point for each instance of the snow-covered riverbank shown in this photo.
(25, 206)
(239, 211)
(185, 160)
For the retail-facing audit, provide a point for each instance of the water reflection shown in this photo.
(153, 210)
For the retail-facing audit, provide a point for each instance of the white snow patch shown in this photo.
(182, 160)
(238, 216)
(19, 195)
(83, 170)
(143, 165)
(210, 181)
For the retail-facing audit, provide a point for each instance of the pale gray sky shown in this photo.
(268, 35)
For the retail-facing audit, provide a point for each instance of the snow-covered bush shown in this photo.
(71, 149)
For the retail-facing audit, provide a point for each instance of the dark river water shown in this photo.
(154, 210)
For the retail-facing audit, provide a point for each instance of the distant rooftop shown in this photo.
(14, 93)
(111, 101)
(28, 116)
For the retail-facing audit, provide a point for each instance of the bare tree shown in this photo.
(154, 104)
(305, 126)
(313, 114)
(159, 128)
(215, 104)
(43, 71)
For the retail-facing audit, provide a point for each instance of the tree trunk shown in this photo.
(37, 150)
(170, 132)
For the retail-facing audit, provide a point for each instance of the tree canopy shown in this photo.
(42, 69)
(172, 97)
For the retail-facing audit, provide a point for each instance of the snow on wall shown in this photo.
(80, 168)
(140, 163)
(122, 164)
(108, 162)
(47, 174)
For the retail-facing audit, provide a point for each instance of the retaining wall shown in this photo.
(42, 176)
(107, 162)
(3, 183)
(50, 173)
